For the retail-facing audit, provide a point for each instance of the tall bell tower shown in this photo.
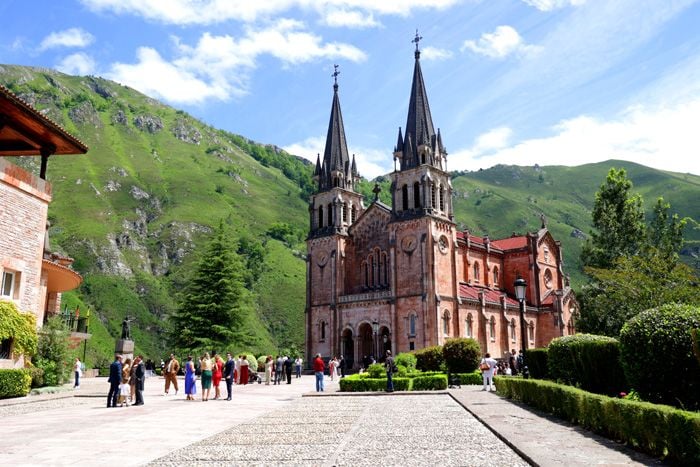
(333, 208)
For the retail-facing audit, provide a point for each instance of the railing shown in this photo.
(74, 324)
(360, 297)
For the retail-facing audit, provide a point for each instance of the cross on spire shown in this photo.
(416, 40)
(335, 76)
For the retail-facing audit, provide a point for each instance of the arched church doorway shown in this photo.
(366, 347)
(347, 348)
(384, 341)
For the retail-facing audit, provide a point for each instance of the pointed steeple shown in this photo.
(419, 124)
(335, 156)
(317, 171)
(399, 142)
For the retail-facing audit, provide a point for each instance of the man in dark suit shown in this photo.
(288, 369)
(228, 374)
(140, 375)
(115, 378)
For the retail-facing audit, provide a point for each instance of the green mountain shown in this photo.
(135, 211)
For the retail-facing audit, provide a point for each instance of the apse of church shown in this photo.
(402, 277)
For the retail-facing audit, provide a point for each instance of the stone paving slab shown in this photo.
(543, 439)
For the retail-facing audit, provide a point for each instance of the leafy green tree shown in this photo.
(633, 285)
(618, 219)
(52, 355)
(212, 311)
(665, 232)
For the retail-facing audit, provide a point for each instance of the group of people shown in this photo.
(212, 371)
(277, 368)
(512, 364)
(126, 381)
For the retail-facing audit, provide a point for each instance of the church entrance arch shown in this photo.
(347, 348)
(365, 348)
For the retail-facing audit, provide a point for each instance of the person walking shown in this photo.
(390, 370)
(342, 364)
(297, 366)
(190, 379)
(279, 365)
(512, 362)
(487, 366)
(217, 374)
(115, 378)
(331, 368)
(228, 375)
(206, 366)
(319, 368)
(170, 373)
(288, 369)
(77, 371)
(268, 369)
(140, 374)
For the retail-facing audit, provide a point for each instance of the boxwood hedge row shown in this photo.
(14, 383)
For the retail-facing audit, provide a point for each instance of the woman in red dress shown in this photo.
(244, 370)
(216, 374)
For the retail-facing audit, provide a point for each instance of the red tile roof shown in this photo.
(510, 243)
(493, 296)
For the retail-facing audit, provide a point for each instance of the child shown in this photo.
(124, 392)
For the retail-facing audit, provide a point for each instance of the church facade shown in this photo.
(402, 277)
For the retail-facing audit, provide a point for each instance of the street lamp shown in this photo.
(520, 288)
(375, 328)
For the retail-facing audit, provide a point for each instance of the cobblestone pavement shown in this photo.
(351, 431)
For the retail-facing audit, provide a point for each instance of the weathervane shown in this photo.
(417, 39)
(335, 75)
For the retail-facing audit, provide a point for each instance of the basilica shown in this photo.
(402, 277)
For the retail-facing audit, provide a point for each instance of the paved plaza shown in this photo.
(276, 425)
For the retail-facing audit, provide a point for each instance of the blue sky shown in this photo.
(523, 82)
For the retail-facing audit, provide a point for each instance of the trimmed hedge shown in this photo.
(659, 430)
(536, 361)
(407, 360)
(587, 361)
(37, 375)
(470, 378)
(658, 358)
(429, 383)
(461, 354)
(14, 383)
(430, 359)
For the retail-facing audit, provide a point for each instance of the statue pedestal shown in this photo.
(125, 347)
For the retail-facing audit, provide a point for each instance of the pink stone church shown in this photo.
(402, 277)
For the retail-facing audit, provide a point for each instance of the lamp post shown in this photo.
(375, 329)
(520, 288)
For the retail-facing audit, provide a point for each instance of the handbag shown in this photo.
(484, 367)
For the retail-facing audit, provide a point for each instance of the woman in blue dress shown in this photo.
(190, 379)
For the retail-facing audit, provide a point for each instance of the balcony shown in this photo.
(366, 296)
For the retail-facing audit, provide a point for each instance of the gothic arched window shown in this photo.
(330, 214)
(433, 196)
(446, 323)
(322, 331)
(365, 269)
(492, 328)
(442, 199)
(548, 279)
(476, 271)
(345, 213)
(320, 217)
(513, 336)
(412, 325)
(404, 195)
(416, 195)
(470, 332)
(353, 214)
(495, 274)
(531, 332)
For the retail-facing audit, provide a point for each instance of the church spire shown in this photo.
(336, 162)
(419, 124)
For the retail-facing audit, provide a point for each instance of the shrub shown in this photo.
(657, 355)
(18, 326)
(261, 362)
(461, 354)
(14, 383)
(376, 370)
(536, 361)
(363, 383)
(429, 383)
(430, 359)
(469, 378)
(659, 430)
(407, 360)
(587, 361)
(53, 351)
(37, 375)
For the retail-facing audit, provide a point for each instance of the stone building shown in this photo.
(32, 276)
(402, 277)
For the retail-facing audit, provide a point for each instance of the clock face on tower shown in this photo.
(409, 243)
(322, 258)
(443, 244)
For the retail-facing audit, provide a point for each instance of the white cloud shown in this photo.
(370, 162)
(73, 37)
(185, 12)
(434, 53)
(349, 18)
(77, 64)
(504, 41)
(219, 66)
(549, 5)
(664, 137)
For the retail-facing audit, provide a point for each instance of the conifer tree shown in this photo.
(618, 219)
(211, 313)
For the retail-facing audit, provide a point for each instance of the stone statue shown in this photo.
(126, 328)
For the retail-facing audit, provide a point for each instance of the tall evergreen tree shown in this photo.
(618, 219)
(211, 313)
(665, 233)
